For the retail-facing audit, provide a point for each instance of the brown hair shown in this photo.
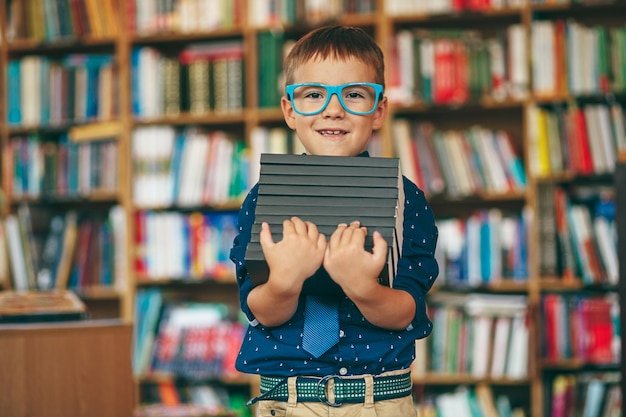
(339, 42)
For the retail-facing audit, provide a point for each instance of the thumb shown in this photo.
(379, 249)
(265, 236)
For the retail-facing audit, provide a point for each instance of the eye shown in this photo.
(314, 95)
(356, 93)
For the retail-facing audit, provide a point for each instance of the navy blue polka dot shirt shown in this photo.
(363, 348)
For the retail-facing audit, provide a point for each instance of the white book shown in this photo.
(30, 90)
(481, 350)
(606, 139)
(498, 68)
(16, 253)
(278, 142)
(606, 237)
(517, 355)
(402, 141)
(117, 216)
(502, 333)
(405, 94)
(259, 143)
(517, 61)
(600, 164)
(617, 117)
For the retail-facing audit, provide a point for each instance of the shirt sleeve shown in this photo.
(417, 268)
(238, 251)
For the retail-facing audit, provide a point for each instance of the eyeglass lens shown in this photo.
(355, 98)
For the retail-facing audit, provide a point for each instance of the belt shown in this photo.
(346, 390)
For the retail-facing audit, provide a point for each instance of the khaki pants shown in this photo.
(397, 407)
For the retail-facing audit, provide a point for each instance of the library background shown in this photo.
(130, 130)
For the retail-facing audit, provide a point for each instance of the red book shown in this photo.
(140, 243)
(599, 330)
(461, 79)
(550, 308)
(582, 143)
(444, 74)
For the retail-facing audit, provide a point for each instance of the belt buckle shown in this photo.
(321, 390)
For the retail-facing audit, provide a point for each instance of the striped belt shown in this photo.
(346, 390)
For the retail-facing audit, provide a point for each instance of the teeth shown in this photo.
(331, 132)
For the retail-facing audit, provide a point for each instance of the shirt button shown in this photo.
(343, 371)
(342, 333)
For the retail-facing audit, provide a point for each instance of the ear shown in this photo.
(379, 116)
(288, 113)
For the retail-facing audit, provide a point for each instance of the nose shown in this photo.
(334, 107)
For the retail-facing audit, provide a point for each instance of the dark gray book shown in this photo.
(330, 171)
(339, 210)
(273, 200)
(325, 160)
(326, 191)
(330, 181)
(331, 220)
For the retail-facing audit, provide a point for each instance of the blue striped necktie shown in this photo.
(321, 325)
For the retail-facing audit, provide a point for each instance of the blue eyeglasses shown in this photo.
(308, 99)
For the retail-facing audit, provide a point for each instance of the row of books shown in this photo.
(581, 327)
(202, 78)
(191, 340)
(46, 91)
(72, 250)
(464, 401)
(62, 20)
(485, 248)
(577, 234)
(427, 7)
(459, 163)
(188, 167)
(482, 335)
(434, 7)
(455, 67)
(570, 57)
(586, 394)
(41, 167)
(149, 17)
(581, 139)
(263, 13)
(177, 245)
(170, 398)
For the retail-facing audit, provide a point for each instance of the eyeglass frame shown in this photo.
(336, 90)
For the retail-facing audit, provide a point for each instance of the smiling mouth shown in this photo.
(332, 132)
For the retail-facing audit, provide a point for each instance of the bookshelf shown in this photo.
(49, 368)
(157, 115)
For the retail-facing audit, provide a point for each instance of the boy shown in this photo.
(334, 83)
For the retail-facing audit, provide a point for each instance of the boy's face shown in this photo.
(334, 131)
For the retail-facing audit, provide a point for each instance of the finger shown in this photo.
(288, 227)
(379, 250)
(265, 237)
(335, 238)
(311, 229)
(299, 226)
(321, 240)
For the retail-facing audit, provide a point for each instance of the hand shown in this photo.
(296, 257)
(348, 263)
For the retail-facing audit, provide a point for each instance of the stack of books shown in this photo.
(329, 190)
(40, 306)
